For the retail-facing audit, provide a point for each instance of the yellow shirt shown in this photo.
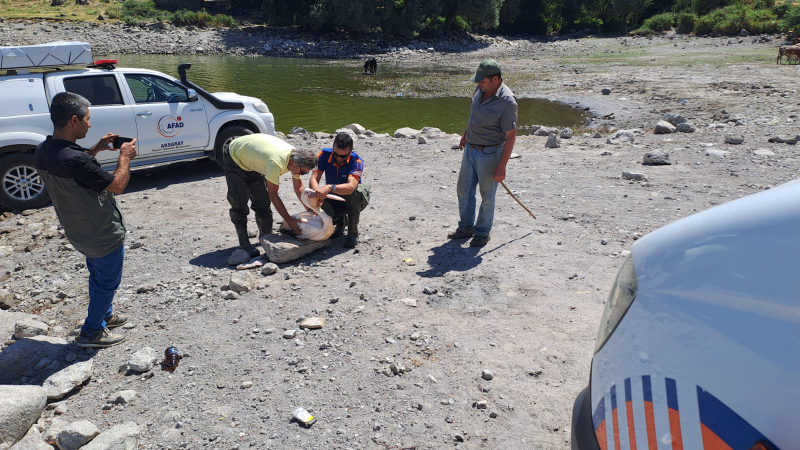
(262, 153)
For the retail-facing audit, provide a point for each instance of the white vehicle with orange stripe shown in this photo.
(699, 343)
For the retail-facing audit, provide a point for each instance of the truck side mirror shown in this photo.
(191, 95)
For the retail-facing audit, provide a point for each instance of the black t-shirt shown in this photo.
(69, 160)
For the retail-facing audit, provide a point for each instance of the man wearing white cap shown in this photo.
(487, 143)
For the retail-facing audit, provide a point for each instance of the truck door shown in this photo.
(109, 113)
(167, 121)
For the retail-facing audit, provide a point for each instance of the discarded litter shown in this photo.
(313, 323)
(410, 261)
(304, 417)
(258, 261)
(171, 359)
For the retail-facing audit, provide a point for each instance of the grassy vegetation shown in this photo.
(130, 11)
(757, 17)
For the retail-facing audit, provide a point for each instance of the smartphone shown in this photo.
(119, 140)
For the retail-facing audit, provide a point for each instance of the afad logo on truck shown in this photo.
(169, 126)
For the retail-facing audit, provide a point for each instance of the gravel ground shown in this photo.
(381, 374)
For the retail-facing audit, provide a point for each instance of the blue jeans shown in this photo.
(105, 274)
(477, 167)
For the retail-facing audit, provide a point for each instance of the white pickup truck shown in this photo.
(172, 119)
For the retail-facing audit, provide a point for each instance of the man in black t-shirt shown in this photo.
(83, 197)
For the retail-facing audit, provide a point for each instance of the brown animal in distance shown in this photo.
(791, 52)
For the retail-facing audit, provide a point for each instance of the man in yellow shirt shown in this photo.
(253, 165)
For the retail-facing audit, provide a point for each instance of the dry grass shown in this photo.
(42, 9)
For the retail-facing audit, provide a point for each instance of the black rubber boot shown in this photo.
(264, 224)
(244, 241)
(338, 227)
(352, 233)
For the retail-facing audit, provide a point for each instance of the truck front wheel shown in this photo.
(224, 139)
(21, 187)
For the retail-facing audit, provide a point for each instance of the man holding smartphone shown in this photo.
(83, 197)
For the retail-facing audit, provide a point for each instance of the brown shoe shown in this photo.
(116, 320)
(460, 234)
(479, 241)
(101, 339)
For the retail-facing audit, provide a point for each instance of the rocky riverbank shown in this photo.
(427, 343)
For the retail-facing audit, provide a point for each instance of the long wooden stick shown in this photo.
(515, 198)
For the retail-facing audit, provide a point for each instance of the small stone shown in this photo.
(686, 128)
(238, 284)
(246, 385)
(552, 142)
(487, 374)
(409, 302)
(239, 256)
(606, 91)
(230, 295)
(657, 158)
(312, 323)
(493, 414)
(123, 397)
(674, 119)
(390, 341)
(633, 176)
(428, 291)
(734, 139)
(289, 334)
(664, 127)
(481, 404)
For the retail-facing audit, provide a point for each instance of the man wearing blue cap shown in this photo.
(487, 143)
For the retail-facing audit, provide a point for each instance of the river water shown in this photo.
(323, 95)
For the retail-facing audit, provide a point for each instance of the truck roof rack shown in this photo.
(52, 54)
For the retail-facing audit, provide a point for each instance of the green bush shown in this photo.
(114, 11)
(731, 19)
(642, 31)
(685, 22)
(791, 20)
(660, 22)
(202, 18)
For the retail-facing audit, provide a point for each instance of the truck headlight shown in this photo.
(261, 107)
(619, 300)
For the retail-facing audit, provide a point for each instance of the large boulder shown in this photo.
(68, 379)
(686, 128)
(406, 133)
(120, 437)
(356, 128)
(29, 328)
(33, 440)
(546, 131)
(20, 407)
(282, 249)
(432, 133)
(8, 320)
(34, 358)
(76, 435)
